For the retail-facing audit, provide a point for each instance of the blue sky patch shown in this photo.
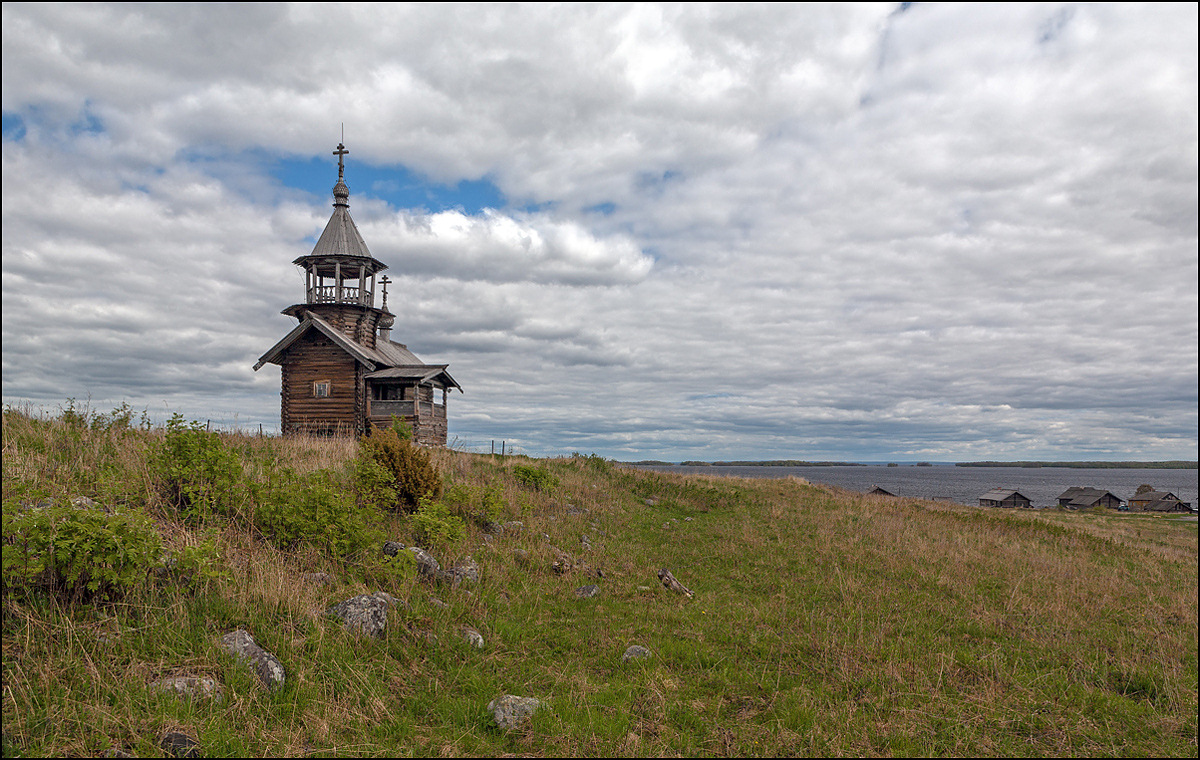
(13, 126)
(398, 185)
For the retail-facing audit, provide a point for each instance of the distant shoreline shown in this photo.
(1168, 465)
(1171, 465)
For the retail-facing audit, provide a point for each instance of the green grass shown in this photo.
(824, 623)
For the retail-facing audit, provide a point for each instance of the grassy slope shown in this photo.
(823, 622)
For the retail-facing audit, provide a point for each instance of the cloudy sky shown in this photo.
(877, 232)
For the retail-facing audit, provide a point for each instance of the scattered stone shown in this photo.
(427, 566)
(466, 571)
(510, 711)
(574, 510)
(669, 581)
(521, 556)
(636, 652)
(438, 603)
(83, 502)
(563, 562)
(190, 688)
(651, 502)
(178, 744)
(587, 545)
(392, 548)
(473, 637)
(687, 519)
(643, 589)
(365, 613)
(114, 752)
(266, 666)
(513, 526)
(666, 525)
(390, 600)
(587, 592)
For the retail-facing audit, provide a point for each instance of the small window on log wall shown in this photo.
(321, 389)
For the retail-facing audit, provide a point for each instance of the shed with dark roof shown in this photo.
(1004, 497)
(1079, 497)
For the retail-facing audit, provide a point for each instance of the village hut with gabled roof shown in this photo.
(877, 491)
(1158, 501)
(341, 372)
(1004, 497)
(1078, 497)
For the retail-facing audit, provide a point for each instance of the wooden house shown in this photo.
(877, 491)
(1158, 501)
(341, 372)
(1078, 497)
(1004, 497)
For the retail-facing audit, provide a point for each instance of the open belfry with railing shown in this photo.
(341, 372)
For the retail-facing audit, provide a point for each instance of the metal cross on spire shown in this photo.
(340, 152)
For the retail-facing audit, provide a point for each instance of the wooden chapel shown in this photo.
(341, 372)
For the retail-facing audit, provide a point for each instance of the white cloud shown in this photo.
(834, 228)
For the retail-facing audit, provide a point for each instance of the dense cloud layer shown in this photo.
(930, 232)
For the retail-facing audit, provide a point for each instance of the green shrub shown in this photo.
(79, 553)
(373, 483)
(401, 428)
(481, 506)
(536, 478)
(434, 525)
(198, 473)
(413, 476)
(311, 510)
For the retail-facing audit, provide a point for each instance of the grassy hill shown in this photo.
(823, 622)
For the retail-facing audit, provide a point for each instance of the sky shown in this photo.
(885, 232)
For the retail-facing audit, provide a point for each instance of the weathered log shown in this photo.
(669, 581)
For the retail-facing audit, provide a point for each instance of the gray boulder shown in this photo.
(365, 613)
(636, 652)
(190, 688)
(179, 744)
(510, 711)
(266, 666)
(473, 637)
(466, 571)
(587, 592)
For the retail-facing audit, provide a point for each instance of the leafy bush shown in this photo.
(434, 525)
(481, 506)
(413, 476)
(311, 510)
(199, 474)
(536, 478)
(78, 552)
(401, 428)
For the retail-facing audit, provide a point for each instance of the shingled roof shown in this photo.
(387, 360)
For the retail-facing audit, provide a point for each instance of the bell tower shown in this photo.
(341, 373)
(339, 274)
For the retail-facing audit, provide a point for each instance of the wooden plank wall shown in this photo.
(316, 358)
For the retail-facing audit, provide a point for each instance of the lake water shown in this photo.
(966, 484)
